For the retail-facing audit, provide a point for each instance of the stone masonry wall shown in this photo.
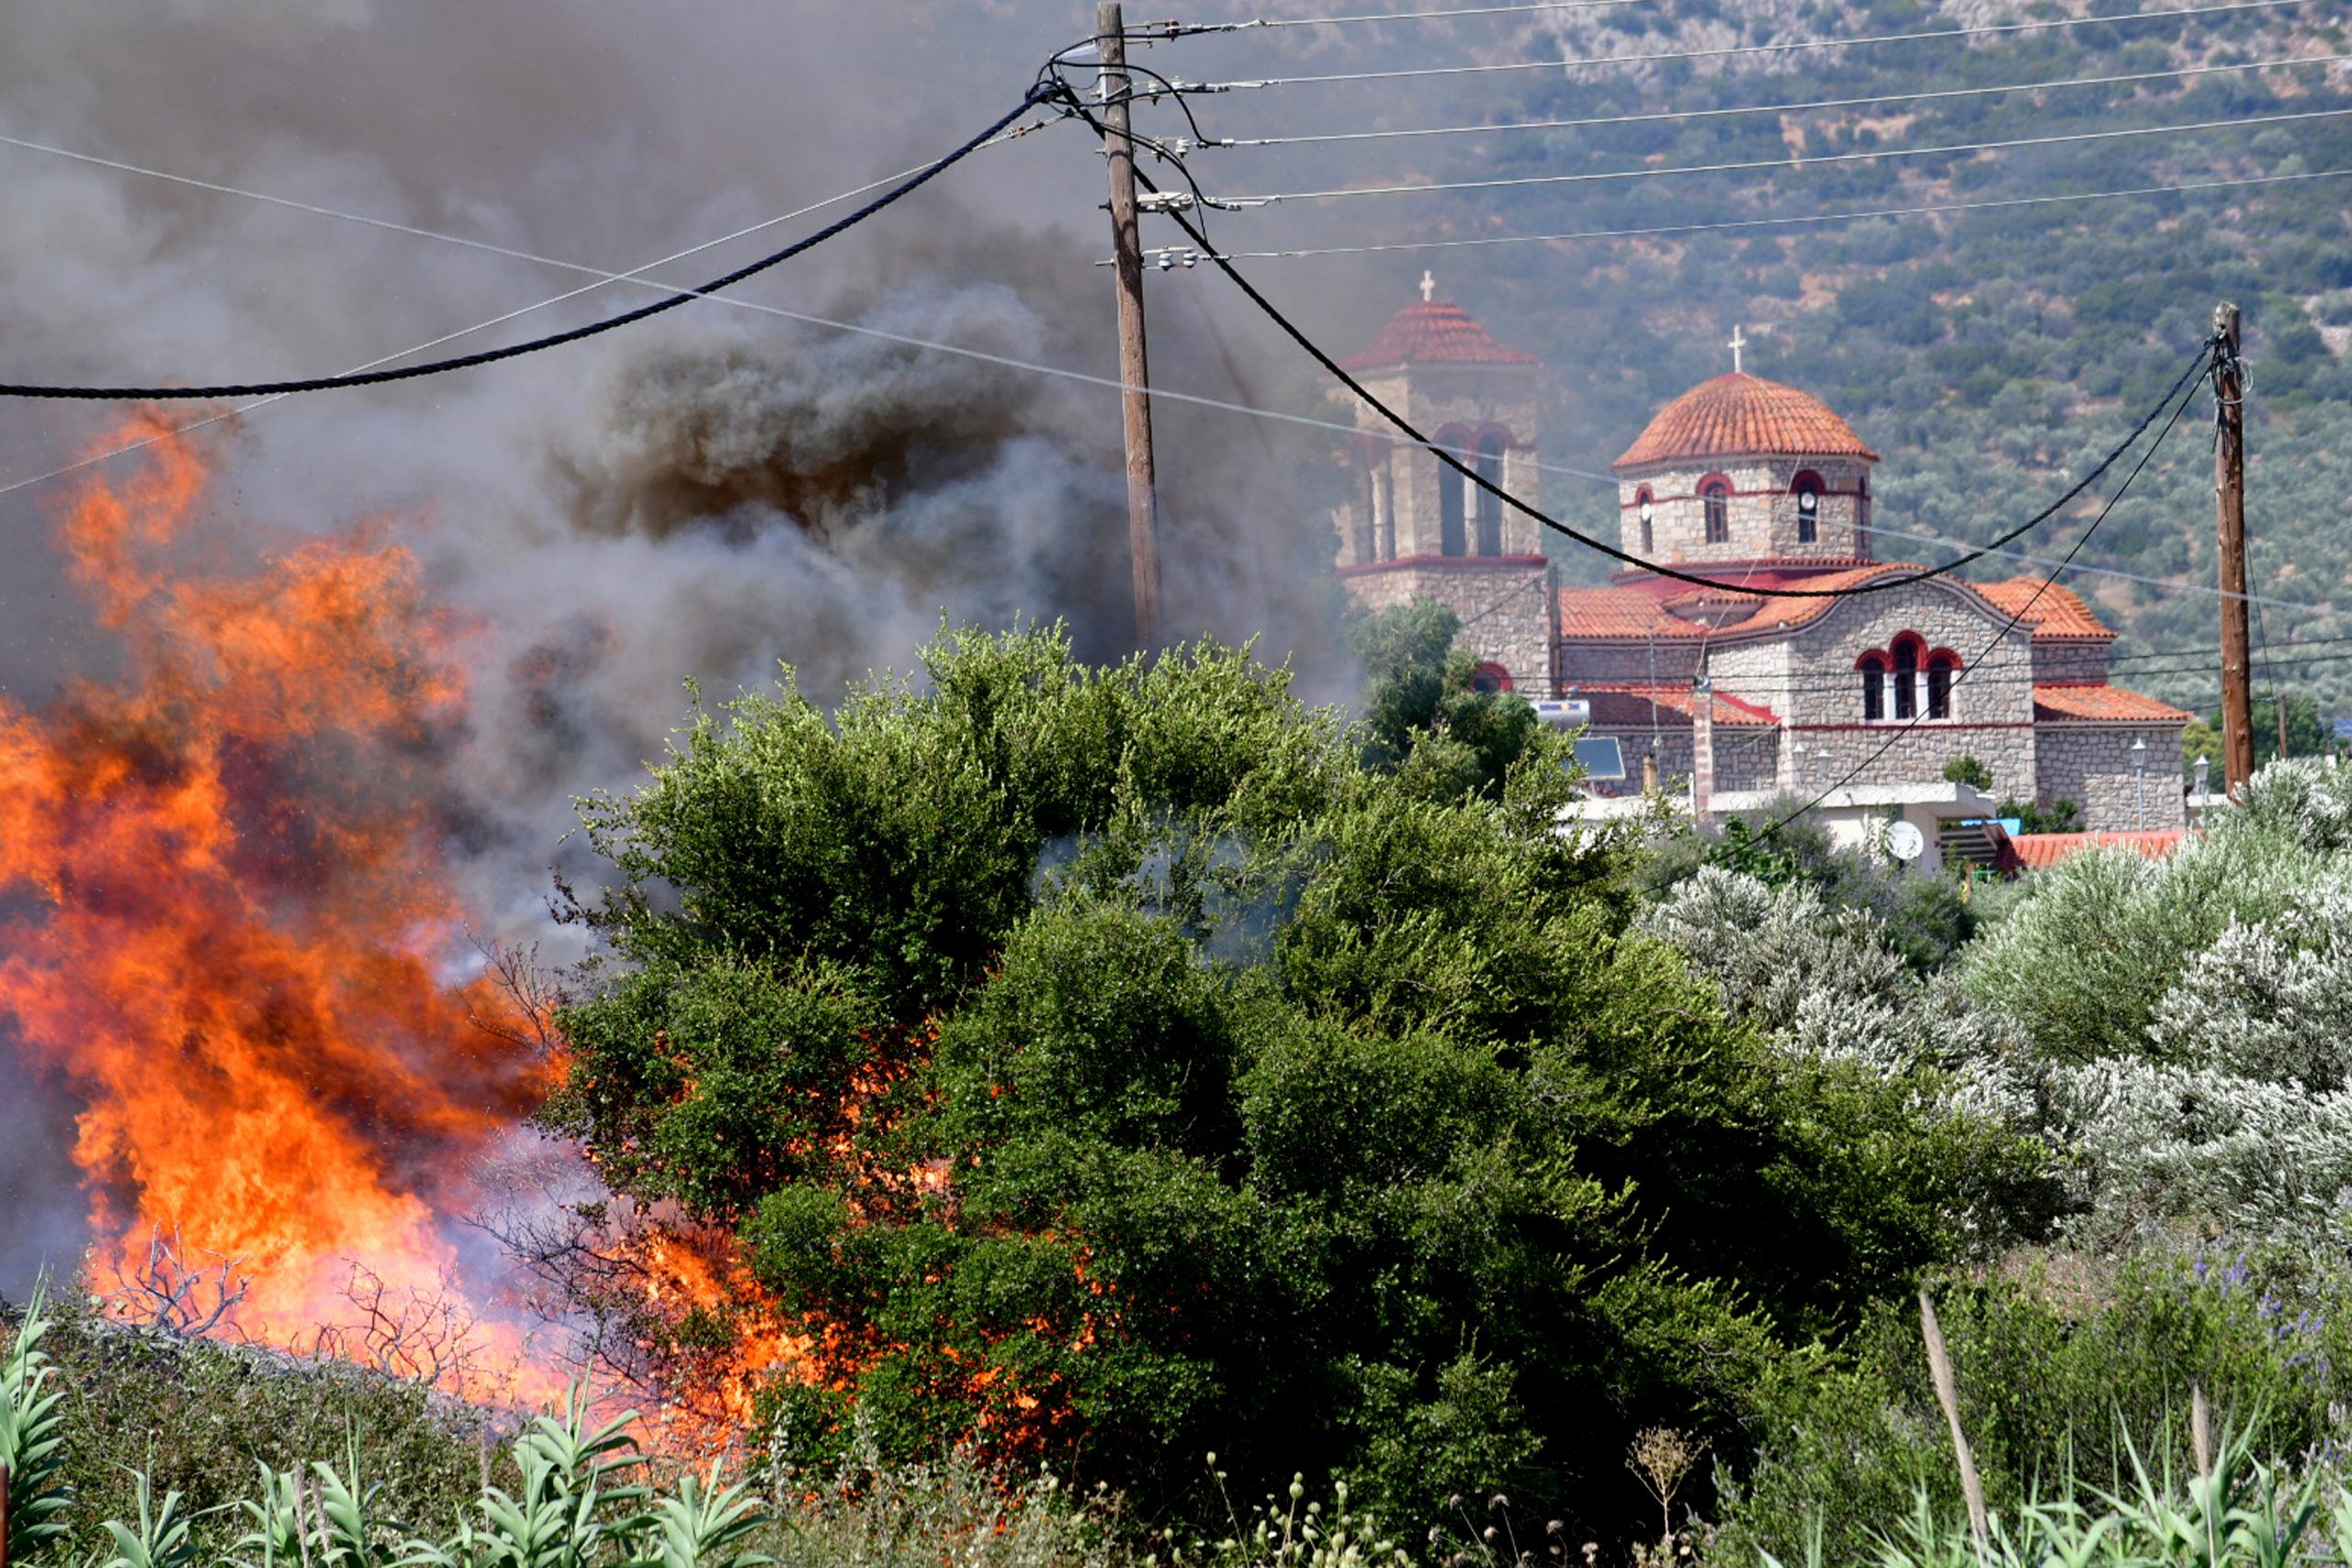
(1808, 678)
(2059, 663)
(1505, 606)
(1762, 512)
(1669, 661)
(2090, 764)
(1431, 397)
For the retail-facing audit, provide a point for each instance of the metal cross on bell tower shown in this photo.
(1738, 343)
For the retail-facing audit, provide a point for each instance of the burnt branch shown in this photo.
(166, 1294)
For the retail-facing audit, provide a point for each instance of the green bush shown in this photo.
(198, 1419)
(1106, 1066)
(2062, 1382)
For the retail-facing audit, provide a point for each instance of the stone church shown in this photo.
(1720, 690)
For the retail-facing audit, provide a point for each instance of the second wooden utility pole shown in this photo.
(2229, 482)
(1134, 365)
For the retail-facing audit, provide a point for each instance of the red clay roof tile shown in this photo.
(2058, 612)
(2038, 851)
(2111, 704)
(1434, 331)
(1615, 704)
(1744, 416)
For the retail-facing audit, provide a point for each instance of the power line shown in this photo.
(1935, 94)
(1190, 29)
(2174, 584)
(1471, 475)
(489, 356)
(2054, 24)
(1792, 220)
(2019, 615)
(600, 279)
(1793, 164)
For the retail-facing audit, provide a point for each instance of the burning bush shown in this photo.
(1106, 1066)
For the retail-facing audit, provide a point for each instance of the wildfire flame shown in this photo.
(224, 916)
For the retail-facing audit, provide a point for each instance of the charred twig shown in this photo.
(165, 1295)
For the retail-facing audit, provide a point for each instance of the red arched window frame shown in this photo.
(1874, 669)
(1489, 676)
(1806, 489)
(1944, 669)
(1907, 653)
(1645, 508)
(1715, 503)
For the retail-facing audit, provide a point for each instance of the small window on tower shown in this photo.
(1646, 508)
(1486, 510)
(1807, 490)
(1452, 531)
(1714, 499)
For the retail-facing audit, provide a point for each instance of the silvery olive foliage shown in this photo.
(2178, 1032)
(1824, 983)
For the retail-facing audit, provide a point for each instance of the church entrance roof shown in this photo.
(1741, 415)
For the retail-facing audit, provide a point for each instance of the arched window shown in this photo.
(1384, 517)
(1484, 506)
(1942, 666)
(1646, 507)
(1489, 677)
(1807, 488)
(1874, 669)
(1453, 538)
(1907, 677)
(1714, 499)
(1862, 517)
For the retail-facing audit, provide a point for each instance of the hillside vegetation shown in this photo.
(1989, 355)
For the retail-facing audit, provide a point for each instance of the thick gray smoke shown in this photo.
(717, 491)
(701, 496)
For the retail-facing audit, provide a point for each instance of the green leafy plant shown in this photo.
(32, 1439)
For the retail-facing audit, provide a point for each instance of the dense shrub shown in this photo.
(2066, 1384)
(1106, 1066)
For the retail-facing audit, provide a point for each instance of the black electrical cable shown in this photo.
(491, 357)
(2015, 620)
(1879, 586)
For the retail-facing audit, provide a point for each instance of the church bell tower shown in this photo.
(1415, 526)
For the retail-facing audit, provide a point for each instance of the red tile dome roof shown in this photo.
(1740, 416)
(1434, 331)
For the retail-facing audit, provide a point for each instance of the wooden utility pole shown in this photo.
(2229, 483)
(2279, 698)
(1135, 368)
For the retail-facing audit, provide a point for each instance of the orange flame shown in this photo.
(227, 924)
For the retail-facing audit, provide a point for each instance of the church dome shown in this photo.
(1434, 331)
(1741, 415)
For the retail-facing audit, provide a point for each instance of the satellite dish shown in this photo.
(1905, 841)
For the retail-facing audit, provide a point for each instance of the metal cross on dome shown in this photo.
(1738, 343)
(1429, 286)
